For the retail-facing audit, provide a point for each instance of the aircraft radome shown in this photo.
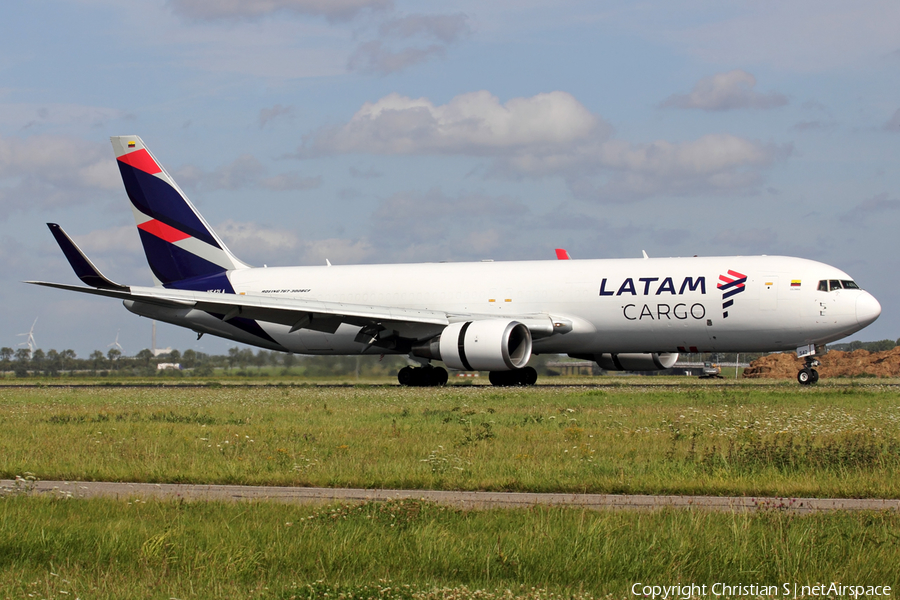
(627, 314)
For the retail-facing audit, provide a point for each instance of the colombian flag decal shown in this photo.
(131, 144)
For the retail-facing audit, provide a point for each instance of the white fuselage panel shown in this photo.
(743, 304)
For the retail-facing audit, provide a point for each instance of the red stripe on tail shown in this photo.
(140, 159)
(163, 231)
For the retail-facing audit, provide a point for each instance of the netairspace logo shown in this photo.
(785, 590)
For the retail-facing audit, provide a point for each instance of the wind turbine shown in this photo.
(116, 343)
(30, 339)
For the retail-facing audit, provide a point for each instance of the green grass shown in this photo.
(116, 549)
(632, 436)
(737, 439)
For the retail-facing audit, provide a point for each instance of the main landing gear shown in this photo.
(430, 376)
(808, 375)
(524, 376)
(427, 376)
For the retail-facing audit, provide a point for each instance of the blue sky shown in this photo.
(367, 131)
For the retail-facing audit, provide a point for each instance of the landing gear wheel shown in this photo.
(526, 376)
(422, 376)
(500, 378)
(529, 376)
(808, 376)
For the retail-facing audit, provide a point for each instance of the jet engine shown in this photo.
(655, 361)
(488, 345)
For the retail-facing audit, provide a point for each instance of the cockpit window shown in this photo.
(826, 285)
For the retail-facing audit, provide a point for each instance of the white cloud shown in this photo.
(718, 163)
(276, 112)
(407, 226)
(550, 135)
(338, 251)
(291, 182)
(254, 239)
(370, 173)
(706, 156)
(726, 91)
(473, 123)
(114, 240)
(880, 204)
(116, 251)
(269, 48)
(802, 35)
(483, 242)
(893, 124)
(34, 116)
(267, 245)
(409, 218)
(375, 57)
(211, 10)
(60, 160)
(379, 57)
(446, 28)
(47, 170)
(750, 240)
(611, 171)
(815, 125)
(244, 172)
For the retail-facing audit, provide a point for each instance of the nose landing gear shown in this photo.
(808, 375)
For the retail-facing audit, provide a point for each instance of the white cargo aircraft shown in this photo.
(625, 314)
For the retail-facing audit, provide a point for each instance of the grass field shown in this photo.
(634, 437)
(115, 549)
(775, 440)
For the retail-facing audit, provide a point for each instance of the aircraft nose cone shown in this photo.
(867, 309)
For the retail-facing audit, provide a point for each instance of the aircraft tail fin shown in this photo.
(182, 249)
(81, 264)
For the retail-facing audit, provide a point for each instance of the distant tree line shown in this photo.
(247, 363)
(879, 346)
(238, 361)
(241, 362)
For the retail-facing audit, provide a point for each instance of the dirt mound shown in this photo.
(834, 364)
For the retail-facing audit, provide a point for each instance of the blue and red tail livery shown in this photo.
(182, 249)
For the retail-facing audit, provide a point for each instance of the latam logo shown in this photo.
(731, 285)
(653, 286)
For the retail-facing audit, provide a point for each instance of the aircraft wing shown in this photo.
(306, 314)
(325, 316)
(303, 314)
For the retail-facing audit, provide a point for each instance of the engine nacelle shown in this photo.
(489, 345)
(634, 362)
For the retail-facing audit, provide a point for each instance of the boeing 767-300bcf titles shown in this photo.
(627, 314)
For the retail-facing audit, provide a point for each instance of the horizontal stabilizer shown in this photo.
(81, 264)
